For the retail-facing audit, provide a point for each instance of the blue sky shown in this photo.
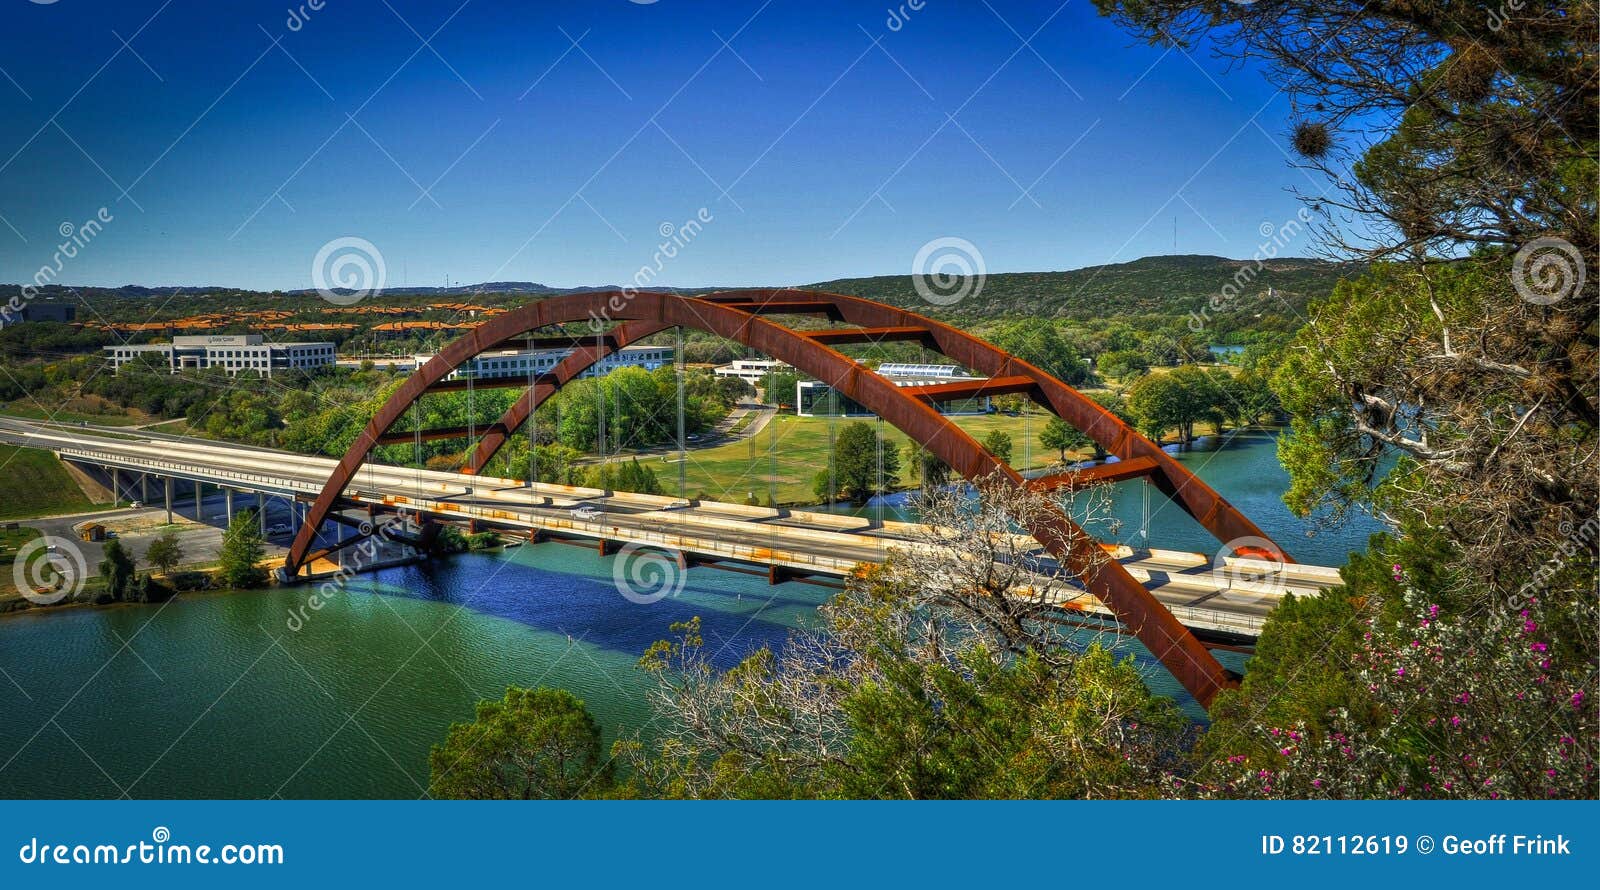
(499, 150)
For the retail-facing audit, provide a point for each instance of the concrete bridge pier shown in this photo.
(168, 481)
(116, 487)
(227, 498)
(199, 505)
(144, 488)
(261, 513)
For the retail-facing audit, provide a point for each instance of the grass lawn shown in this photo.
(33, 483)
(12, 540)
(800, 445)
(33, 412)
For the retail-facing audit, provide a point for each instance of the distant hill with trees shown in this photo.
(1149, 286)
(1154, 285)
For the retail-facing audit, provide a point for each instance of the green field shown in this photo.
(33, 483)
(792, 449)
(33, 412)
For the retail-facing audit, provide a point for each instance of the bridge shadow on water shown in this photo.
(570, 591)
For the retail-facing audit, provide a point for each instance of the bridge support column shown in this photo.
(168, 486)
(116, 487)
(199, 501)
(227, 498)
(144, 488)
(261, 512)
(605, 547)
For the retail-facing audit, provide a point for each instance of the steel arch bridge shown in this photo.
(619, 318)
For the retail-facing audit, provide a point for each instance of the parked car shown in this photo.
(679, 504)
(281, 528)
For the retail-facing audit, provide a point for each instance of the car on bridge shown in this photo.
(586, 513)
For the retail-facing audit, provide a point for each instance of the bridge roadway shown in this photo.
(1231, 604)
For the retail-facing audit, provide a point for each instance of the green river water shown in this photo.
(213, 695)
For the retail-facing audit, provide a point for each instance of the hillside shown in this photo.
(1152, 285)
(1161, 285)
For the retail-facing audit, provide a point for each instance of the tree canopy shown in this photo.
(532, 744)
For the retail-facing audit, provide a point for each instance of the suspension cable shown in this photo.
(600, 407)
(1144, 522)
(877, 434)
(833, 426)
(683, 456)
(533, 424)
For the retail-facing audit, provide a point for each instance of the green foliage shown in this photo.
(998, 443)
(627, 475)
(20, 340)
(1176, 400)
(1061, 437)
(164, 553)
(449, 539)
(1042, 345)
(925, 465)
(35, 483)
(1123, 363)
(1393, 687)
(242, 550)
(483, 541)
(856, 454)
(1174, 285)
(116, 568)
(535, 744)
(887, 700)
(556, 464)
(778, 387)
(639, 408)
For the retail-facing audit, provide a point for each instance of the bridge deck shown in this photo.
(1233, 602)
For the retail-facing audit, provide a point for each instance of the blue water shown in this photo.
(1242, 465)
(214, 695)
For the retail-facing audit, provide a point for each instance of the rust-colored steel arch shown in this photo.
(741, 316)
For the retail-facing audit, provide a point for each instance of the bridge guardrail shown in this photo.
(176, 468)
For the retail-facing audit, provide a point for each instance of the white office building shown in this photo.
(750, 370)
(908, 370)
(233, 353)
(523, 362)
(813, 398)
